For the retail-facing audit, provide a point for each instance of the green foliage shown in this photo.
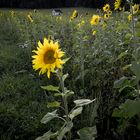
(128, 109)
(87, 133)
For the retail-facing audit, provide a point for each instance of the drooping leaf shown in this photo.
(49, 116)
(87, 133)
(53, 104)
(82, 102)
(47, 136)
(50, 88)
(64, 130)
(76, 112)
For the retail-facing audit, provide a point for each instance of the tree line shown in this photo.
(56, 3)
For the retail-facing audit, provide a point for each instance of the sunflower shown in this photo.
(47, 57)
(135, 8)
(95, 20)
(106, 16)
(117, 4)
(74, 15)
(109, 12)
(106, 8)
(30, 18)
(129, 17)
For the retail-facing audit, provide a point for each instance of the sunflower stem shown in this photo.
(64, 98)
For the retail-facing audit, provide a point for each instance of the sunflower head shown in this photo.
(106, 8)
(30, 18)
(47, 57)
(135, 8)
(74, 15)
(109, 12)
(95, 20)
(129, 17)
(117, 4)
(106, 16)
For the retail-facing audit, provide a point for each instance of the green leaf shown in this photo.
(49, 116)
(68, 93)
(64, 130)
(47, 136)
(82, 102)
(127, 109)
(50, 88)
(87, 133)
(53, 104)
(136, 69)
(123, 81)
(126, 67)
(121, 55)
(76, 112)
(65, 76)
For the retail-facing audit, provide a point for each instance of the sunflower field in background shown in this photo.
(70, 76)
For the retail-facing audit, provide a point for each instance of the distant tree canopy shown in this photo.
(56, 3)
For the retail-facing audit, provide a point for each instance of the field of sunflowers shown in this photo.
(72, 76)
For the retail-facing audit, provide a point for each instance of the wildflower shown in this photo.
(30, 18)
(135, 8)
(106, 16)
(129, 17)
(48, 57)
(95, 20)
(74, 15)
(117, 4)
(106, 8)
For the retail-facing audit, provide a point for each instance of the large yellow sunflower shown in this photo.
(106, 8)
(47, 57)
(117, 4)
(95, 20)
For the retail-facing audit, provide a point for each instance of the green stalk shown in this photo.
(64, 98)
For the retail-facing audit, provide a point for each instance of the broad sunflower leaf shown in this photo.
(76, 112)
(47, 136)
(49, 116)
(82, 102)
(64, 130)
(127, 109)
(87, 133)
(50, 88)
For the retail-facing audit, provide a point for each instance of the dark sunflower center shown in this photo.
(49, 57)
